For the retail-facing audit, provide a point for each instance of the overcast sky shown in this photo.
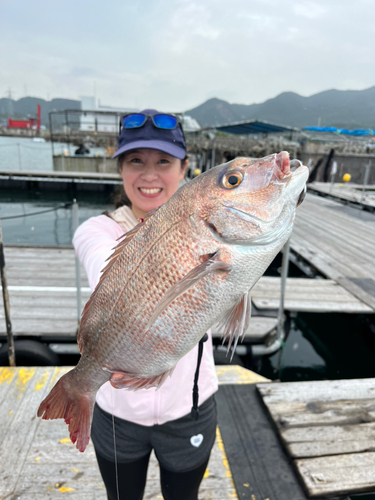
(175, 54)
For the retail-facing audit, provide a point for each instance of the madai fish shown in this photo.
(186, 266)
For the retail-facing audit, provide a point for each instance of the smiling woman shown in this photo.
(151, 160)
(150, 178)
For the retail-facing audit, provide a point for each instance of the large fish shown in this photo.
(187, 265)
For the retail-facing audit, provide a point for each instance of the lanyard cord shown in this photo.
(195, 409)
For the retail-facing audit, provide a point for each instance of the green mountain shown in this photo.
(26, 106)
(333, 108)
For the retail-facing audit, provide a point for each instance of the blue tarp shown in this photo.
(356, 131)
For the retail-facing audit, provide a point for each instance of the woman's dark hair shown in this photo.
(120, 199)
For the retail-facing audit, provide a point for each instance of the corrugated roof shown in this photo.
(254, 127)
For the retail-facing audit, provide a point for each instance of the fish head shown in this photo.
(253, 201)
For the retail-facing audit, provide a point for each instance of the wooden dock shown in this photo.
(38, 461)
(43, 296)
(44, 303)
(328, 430)
(338, 241)
(348, 193)
(11, 177)
(324, 440)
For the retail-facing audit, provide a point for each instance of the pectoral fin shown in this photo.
(121, 380)
(212, 265)
(235, 323)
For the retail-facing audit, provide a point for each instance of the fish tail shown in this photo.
(74, 406)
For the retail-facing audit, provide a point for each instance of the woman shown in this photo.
(128, 425)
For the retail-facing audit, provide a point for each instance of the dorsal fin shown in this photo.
(126, 238)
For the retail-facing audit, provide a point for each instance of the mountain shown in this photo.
(26, 106)
(335, 108)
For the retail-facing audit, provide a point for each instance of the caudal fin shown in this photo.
(75, 407)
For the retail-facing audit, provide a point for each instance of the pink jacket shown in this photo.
(94, 241)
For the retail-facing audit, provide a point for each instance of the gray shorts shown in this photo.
(180, 445)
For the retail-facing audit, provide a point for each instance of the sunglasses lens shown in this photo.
(133, 121)
(167, 122)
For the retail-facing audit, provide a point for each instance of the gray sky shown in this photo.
(175, 54)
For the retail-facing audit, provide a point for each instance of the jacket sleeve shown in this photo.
(94, 242)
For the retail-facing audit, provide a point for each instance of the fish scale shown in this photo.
(187, 265)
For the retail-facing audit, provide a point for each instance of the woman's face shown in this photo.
(150, 178)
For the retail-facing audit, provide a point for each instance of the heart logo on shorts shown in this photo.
(196, 440)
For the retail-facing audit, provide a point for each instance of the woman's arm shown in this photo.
(94, 242)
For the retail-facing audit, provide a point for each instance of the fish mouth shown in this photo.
(296, 187)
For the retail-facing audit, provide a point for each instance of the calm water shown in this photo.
(18, 153)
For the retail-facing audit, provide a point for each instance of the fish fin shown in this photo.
(121, 380)
(212, 265)
(126, 237)
(235, 323)
(75, 407)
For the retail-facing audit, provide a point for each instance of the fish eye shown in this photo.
(232, 179)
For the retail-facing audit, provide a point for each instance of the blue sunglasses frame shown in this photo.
(152, 117)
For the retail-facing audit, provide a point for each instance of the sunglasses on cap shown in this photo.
(137, 120)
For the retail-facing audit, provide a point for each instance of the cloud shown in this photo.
(174, 55)
(78, 72)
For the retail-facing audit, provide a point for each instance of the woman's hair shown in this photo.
(120, 198)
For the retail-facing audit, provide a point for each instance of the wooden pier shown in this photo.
(339, 242)
(320, 445)
(39, 462)
(347, 193)
(43, 296)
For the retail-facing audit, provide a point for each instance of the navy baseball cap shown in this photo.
(150, 137)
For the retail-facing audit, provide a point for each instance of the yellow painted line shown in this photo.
(6, 375)
(206, 474)
(65, 489)
(24, 375)
(238, 375)
(41, 382)
(65, 441)
(228, 473)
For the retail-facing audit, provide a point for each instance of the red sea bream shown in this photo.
(187, 265)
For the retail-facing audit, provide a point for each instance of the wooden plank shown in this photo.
(316, 391)
(259, 328)
(41, 327)
(315, 441)
(328, 428)
(335, 239)
(307, 295)
(348, 192)
(339, 475)
(317, 412)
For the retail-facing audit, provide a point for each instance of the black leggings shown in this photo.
(132, 480)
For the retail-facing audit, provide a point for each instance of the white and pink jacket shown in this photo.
(94, 241)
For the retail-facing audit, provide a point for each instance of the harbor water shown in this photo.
(23, 153)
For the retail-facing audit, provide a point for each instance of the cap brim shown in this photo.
(166, 147)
